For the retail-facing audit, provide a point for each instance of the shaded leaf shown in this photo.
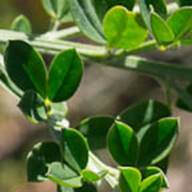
(184, 2)
(39, 158)
(149, 171)
(182, 103)
(122, 144)
(32, 105)
(75, 149)
(158, 141)
(159, 7)
(26, 67)
(95, 129)
(143, 113)
(86, 188)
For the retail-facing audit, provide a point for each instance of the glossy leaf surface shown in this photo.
(75, 149)
(151, 184)
(130, 179)
(26, 67)
(158, 141)
(65, 74)
(149, 171)
(122, 144)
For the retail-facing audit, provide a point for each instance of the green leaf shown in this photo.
(32, 105)
(181, 21)
(145, 12)
(57, 9)
(75, 149)
(102, 6)
(182, 103)
(21, 24)
(122, 144)
(91, 176)
(151, 184)
(64, 189)
(161, 30)
(87, 20)
(184, 2)
(123, 29)
(130, 179)
(143, 113)
(63, 175)
(163, 164)
(149, 171)
(159, 7)
(26, 67)
(39, 158)
(65, 75)
(87, 187)
(95, 130)
(158, 141)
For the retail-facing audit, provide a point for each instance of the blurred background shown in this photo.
(103, 91)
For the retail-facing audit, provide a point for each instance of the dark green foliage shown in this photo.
(65, 74)
(38, 160)
(75, 149)
(95, 129)
(25, 67)
(144, 113)
(27, 70)
(123, 144)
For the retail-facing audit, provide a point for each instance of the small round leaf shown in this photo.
(130, 179)
(122, 143)
(65, 74)
(123, 29)
(75, 149)
(26, 67)
(161, 30)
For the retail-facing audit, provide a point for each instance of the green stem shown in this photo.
(149, 67)
(63, 33)
(54, 46)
